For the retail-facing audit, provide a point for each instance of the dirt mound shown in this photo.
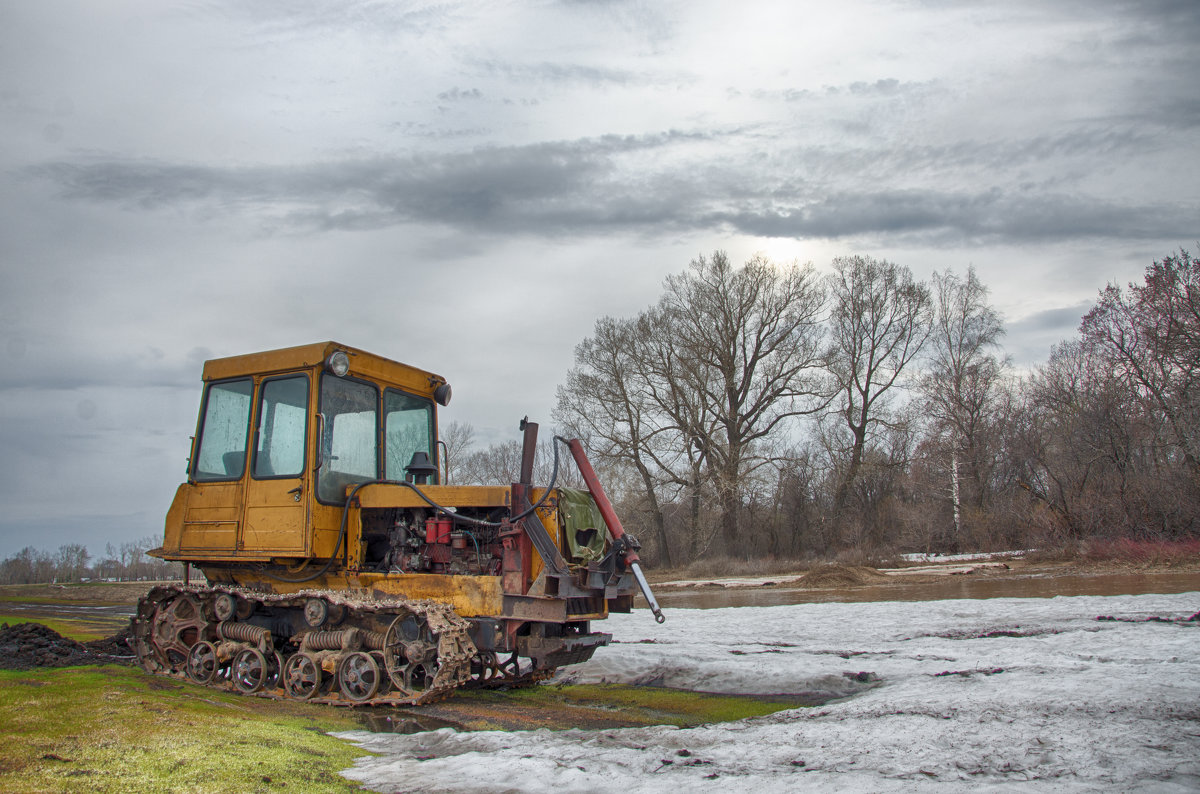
(29, 645)
(841, 576)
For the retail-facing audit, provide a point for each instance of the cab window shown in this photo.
(350, 419)
(282, 422)
(407, 428)
(221, 450)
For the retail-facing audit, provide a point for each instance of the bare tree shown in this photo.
(500, 464)
(962, 380)
(71, 562)
(1077, 441)
(748, 342)
(691, 392)
(458, 438)
(880, 321)
(1150, 334)
(611, 398)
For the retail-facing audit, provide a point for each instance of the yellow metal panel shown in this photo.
(212, 517)
(209, 536)
(208, 514)
(362, 364)
(289, 358)
(173, 531)
(445, 495)
(274, 530)
(548, 512)
(275, 520)
(471, 596)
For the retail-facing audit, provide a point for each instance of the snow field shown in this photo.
(1009, 694)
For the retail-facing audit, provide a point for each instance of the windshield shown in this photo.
(408, 428)
(349, 415)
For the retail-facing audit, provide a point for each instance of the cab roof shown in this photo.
(289, 359)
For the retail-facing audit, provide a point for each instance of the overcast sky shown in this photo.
(467, 187)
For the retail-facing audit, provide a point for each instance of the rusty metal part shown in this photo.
(344, 640)
(302, 676)
(430, 651)
(427, 652)
(625, 543)
(359, 676)
(245, 632)
(225, 606)
(250, 670)
(202, 662)
(489, 672)
(316, 610)
(177, 624)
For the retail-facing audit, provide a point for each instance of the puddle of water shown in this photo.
(949, 587)
(385, 720)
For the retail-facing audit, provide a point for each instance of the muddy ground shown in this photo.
(25, 646)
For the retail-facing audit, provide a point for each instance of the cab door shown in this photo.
(216, 481)
(277, 491)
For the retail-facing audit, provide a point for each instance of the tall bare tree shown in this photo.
(1150, 333)
(880, 321)
(748, 341)
(690, 392)
(962, 380)
(615, 398)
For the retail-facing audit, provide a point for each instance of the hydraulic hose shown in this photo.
(440, 508)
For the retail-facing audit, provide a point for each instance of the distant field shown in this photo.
(78, 592)
(82, 612)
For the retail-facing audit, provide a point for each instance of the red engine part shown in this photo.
(437, 530)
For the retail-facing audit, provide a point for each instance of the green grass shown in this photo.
(653, 705)
(113, 729)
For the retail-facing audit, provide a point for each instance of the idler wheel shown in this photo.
(250, 670)
(316, 611)
(410, 653)
(177, 625)
(224, 606)
(302, 676)
(358, 676)
(202, 662)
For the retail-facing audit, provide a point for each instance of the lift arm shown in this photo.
(620, 538)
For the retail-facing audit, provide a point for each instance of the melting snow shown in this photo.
(1011, 694)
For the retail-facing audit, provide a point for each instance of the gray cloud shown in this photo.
(457, 94)
(1031, 337)
(1062, 320)
(584, 187)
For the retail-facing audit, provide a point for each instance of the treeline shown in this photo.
(73, 563)
(765, 410)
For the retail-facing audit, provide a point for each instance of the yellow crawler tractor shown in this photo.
(342, 569)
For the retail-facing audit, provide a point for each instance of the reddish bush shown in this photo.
(1153, 552)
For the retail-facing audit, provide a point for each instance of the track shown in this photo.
(315, 646)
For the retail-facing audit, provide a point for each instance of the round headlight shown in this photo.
(442, 394)
(338, 362)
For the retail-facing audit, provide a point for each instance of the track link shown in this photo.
(316, 646)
